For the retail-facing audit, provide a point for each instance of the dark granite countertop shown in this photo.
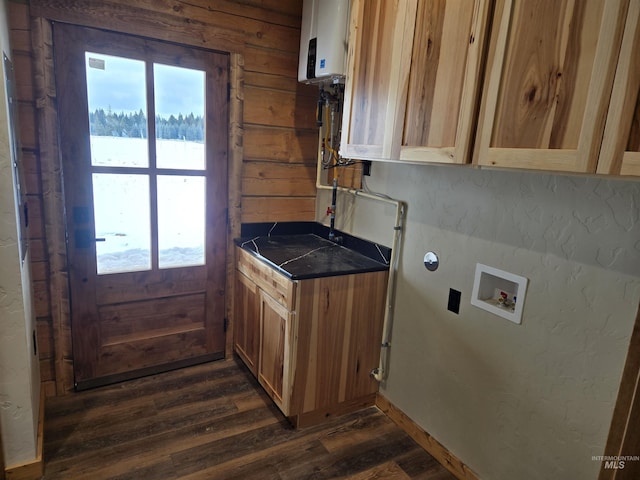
(301, 250)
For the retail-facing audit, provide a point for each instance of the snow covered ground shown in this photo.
(122, 205)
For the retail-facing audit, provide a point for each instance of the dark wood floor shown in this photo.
(214, 421)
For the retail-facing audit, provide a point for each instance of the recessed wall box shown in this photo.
(499, 292)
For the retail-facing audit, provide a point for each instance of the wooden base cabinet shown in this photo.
(319, 338)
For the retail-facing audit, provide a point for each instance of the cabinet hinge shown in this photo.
(226, 324)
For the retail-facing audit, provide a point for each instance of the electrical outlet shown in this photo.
(454, 301)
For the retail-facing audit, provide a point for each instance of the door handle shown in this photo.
(84, 238)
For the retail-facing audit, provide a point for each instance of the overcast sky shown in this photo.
(119, 84)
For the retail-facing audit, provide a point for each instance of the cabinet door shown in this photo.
(620, 154)
(549, 74)
(443, 93)
(381, 34)
(246, 315)
(274, 364)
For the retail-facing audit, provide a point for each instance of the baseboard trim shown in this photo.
(426, 441)
(32, 470)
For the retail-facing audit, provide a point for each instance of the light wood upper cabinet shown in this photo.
(550, 70)
(413, 81)
(620, 153)
(547, 85)
(381, 35)
(444, 80)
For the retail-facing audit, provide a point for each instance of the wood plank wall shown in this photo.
(279, 133)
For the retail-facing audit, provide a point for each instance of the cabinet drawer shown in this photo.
(270, 281)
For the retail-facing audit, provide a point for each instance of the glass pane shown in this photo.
(181, 221)
(122, 215)
(179, 101)
(116, 94)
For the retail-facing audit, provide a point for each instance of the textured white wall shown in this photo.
(530, 401)
(19, 368)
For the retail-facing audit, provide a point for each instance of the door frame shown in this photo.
(53, 199)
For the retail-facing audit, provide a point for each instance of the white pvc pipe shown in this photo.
(380, 373)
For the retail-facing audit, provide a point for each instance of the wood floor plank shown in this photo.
(360, 431)
(124, 456)
(280, 456)
(214, 421)
(419, 465)
(354, 459)
(386, 470)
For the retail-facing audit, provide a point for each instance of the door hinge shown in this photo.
(226, 324)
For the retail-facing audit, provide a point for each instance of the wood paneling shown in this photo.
(280, 145)
(260, 209)
(277, 108)
(277, 120)
(263, 178)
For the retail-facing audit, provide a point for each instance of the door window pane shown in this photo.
(179, 102)
(122, 218)
(181, 221)
(117, 100)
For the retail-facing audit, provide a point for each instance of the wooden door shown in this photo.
(246, 321)
(143, 130)
(444, 80)
(381, 34)
(620, 154)
(274, 364)
(549, 76)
